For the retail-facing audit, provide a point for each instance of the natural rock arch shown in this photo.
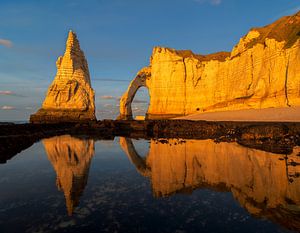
(262, 71)
(141, 80)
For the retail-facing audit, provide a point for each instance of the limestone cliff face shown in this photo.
(71, 158)
(260, 181)
(70, 97)
(262, 71)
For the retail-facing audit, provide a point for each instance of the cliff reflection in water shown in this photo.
(71, 158)
(266, 184)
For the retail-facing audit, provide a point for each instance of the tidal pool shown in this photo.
(78, 184)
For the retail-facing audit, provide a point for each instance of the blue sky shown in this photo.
(117, 37)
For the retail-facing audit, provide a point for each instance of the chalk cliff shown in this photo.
(70, 97)
(261, 71)
(71, 158)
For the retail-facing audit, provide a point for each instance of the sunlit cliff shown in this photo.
(261, 71)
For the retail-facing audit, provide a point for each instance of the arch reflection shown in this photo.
(266, 184)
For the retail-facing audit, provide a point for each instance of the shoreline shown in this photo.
(279, 137)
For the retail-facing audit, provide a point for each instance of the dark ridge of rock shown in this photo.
(15, 138)
(272, 137)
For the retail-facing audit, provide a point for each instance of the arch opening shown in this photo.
(141, 80)
(140, 104)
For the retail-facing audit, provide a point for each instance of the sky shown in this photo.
(117, 37)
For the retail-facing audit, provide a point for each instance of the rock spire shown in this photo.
(70, 97)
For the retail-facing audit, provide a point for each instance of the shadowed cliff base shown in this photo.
(56, 116)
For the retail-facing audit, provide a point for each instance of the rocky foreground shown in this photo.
(273, 137)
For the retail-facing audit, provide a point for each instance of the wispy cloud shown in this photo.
(10, 93)
(108, 105)
(6, 107)
(6, 43)
(6, 93)
(212, 2)
(109, 80)
(107, 97)
(137, 101)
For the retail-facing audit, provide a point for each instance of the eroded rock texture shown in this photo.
(266, 184)
(262, 71)
(71, 158)
(70, 97)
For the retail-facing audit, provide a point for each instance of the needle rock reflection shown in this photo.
(71, 158)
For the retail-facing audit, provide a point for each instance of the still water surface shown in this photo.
(76, 184)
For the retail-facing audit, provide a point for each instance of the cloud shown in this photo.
(215, 2)
(110, 80)
(140, 111)
(6, 43)
(6, 93)
(108, 105)
(5, 107)
(212, 2)
(137, 101)
(107, 97)
(10, 93)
